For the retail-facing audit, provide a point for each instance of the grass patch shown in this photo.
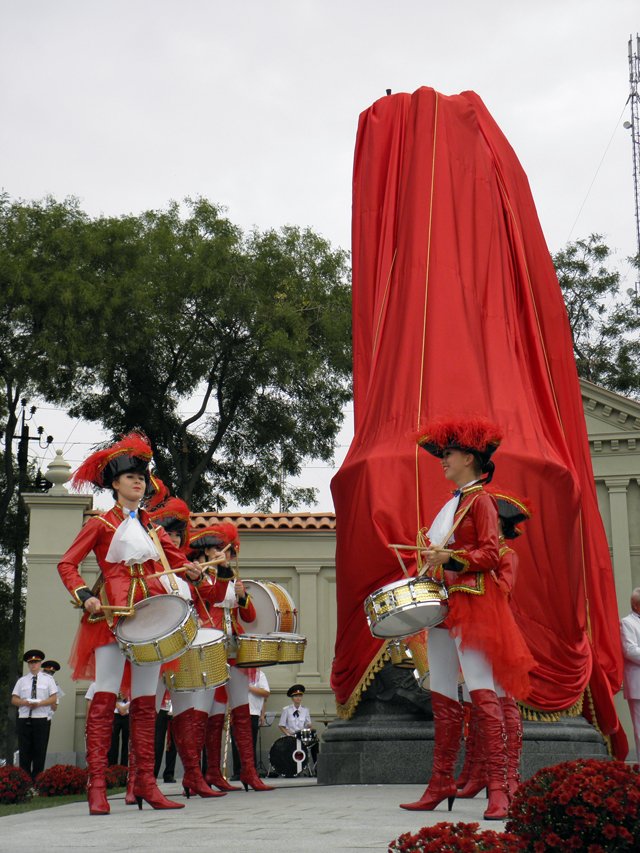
(36, 803)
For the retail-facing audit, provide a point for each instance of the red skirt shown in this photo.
(486, 623)
(89, 637)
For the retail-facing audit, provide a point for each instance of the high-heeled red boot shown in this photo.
(98, 735)
(447, 723)
(129, 797)
(463, 776)
(241, 722)
(184, 735)
(492, 734)
(142, 722)
(213, 742)
(474, 762)
(513, 726)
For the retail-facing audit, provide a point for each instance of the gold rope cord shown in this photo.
(426, 296)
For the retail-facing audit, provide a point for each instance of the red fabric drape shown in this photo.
(457, 311)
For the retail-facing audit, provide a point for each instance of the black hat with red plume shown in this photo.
(512, 511)
(478, 436)
(173, 515)
(131, 454)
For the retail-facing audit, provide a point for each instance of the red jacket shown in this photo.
(211, 592)
(476, 543)
(123, 585)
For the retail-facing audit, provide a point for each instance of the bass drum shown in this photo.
(283, 755)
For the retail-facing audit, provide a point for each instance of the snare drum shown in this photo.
(255, 650)
(405, 607)
(160, 630)
(291, 647)
(203, 665)
(275, 609)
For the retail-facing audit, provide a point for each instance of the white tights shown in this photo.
(446, 658)
(237, 691)
(110, 661)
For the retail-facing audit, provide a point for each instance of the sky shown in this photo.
(128, 104)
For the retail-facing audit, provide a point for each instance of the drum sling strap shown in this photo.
(163, 557)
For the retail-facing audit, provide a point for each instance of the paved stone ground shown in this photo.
(299, 817)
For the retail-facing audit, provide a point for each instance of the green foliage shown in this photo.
(604, 324)
(230, 350)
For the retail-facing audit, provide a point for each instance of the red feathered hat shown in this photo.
(157, 493)
(173, 515)
(471, 435)
(512, 510)
(131, 453)
(217, 535)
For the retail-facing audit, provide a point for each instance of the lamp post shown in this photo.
(19, 544)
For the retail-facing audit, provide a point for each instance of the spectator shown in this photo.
(33, 696)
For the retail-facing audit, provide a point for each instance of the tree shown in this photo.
(604, 325)
(230, 350)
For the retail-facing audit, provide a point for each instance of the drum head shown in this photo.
(410, 620)
(206, 636)
(281, 756)
(153, 618)
(266, 607)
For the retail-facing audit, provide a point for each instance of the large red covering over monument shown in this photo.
(457, 312)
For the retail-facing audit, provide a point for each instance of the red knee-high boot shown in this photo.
(142, 723)
(241, 722)
(513, 726)
(474, 761)
(213, 739)
(447, 722)
(129, 797)
(98, 734)
(492, 735)
(184, 735)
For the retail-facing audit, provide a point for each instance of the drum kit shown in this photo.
(294, 755)
(165, 627)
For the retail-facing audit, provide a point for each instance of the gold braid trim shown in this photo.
(538, 716)
(346, 711)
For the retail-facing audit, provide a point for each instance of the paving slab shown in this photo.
(299, 816)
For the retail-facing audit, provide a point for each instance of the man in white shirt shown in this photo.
(630, 637)
(51, 667)
(33, 696)
(295, 717)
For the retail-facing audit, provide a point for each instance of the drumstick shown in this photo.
(421, 548)
(215, 562)
(122, 608)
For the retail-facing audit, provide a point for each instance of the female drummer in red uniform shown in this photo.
(479, 635)
(126, 555)
(512, 512)
(227, 600)
(190, 709)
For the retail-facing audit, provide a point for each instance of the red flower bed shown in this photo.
(61, 779)
(455, 838)
(585, 805)
(116, 776)
(15, 785)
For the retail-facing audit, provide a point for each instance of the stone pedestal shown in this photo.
(388, 745)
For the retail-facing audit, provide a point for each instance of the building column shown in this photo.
(617, 487)
(308, 622)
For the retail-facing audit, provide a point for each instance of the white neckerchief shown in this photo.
(131, 543)
(229, 599)
(443, 522)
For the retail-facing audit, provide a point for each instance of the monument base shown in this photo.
(394, 748)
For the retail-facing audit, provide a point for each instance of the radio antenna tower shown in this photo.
(634, 127)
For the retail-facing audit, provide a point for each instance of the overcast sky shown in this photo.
(129, 103)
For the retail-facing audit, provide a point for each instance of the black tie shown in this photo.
(296, 714)
(34, 691)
